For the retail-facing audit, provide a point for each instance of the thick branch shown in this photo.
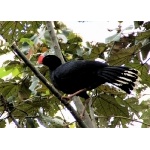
(57, 49)
(92, 113)
(54, 40)
(80, 108)
(49, 86)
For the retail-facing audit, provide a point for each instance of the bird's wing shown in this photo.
(80, 68)
(76, 75)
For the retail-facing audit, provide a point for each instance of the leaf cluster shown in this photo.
(34, 105)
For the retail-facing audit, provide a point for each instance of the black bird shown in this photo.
(76, 77)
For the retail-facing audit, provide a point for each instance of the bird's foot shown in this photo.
(69, 97)
(66, 98)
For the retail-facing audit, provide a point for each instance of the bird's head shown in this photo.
(51, 61)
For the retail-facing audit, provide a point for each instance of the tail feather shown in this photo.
(124, 70)
(119, 83)
(120, 76)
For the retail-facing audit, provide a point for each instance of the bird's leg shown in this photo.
(74, 94)
(85, 106)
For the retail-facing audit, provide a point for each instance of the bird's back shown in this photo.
(73, 76)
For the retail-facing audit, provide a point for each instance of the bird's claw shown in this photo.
(66, 98)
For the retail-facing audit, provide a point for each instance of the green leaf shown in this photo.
(66, 32)
(133, 105)
(28, 41)
(11, 64)
(23, 90)
(15, 30)
(4, 51)
(9, 89)
(147, 25)
(137, 24)
(47, 35)
(142, 35)
(59, 25)
(145, 50)
(31, 123)
(72, 47)
(115, 37)
(146, 118)
(28, 35)
(4, 72)
(110, 89)
(15, 72)
(34, 84)
(49, 121)
(143, 70)
(115, 122)
(124, 55)
(2, 124)
(97, 49)
(71, 35)
(76, 39)
(108, 106)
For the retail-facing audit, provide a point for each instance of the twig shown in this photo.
(22, 111)
(6, 107)
(111, 48)
(4, 118)
(61, 112)
(2, 112)
(146, 60)
(14, 120)
(26, 116)
(49, 86)
(31, 116)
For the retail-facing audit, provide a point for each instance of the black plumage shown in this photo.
(84, 74)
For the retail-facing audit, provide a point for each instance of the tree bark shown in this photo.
(57, 49)
(49, 86)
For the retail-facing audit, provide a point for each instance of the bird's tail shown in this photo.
(120, 76)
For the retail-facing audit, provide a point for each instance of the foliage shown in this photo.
(34, 105)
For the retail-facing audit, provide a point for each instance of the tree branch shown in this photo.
(6, 108)
(54, 40)
(80, 108)
(49, 86)
(57, 49)
(92, 114)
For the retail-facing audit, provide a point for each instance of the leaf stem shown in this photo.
(122, 117)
